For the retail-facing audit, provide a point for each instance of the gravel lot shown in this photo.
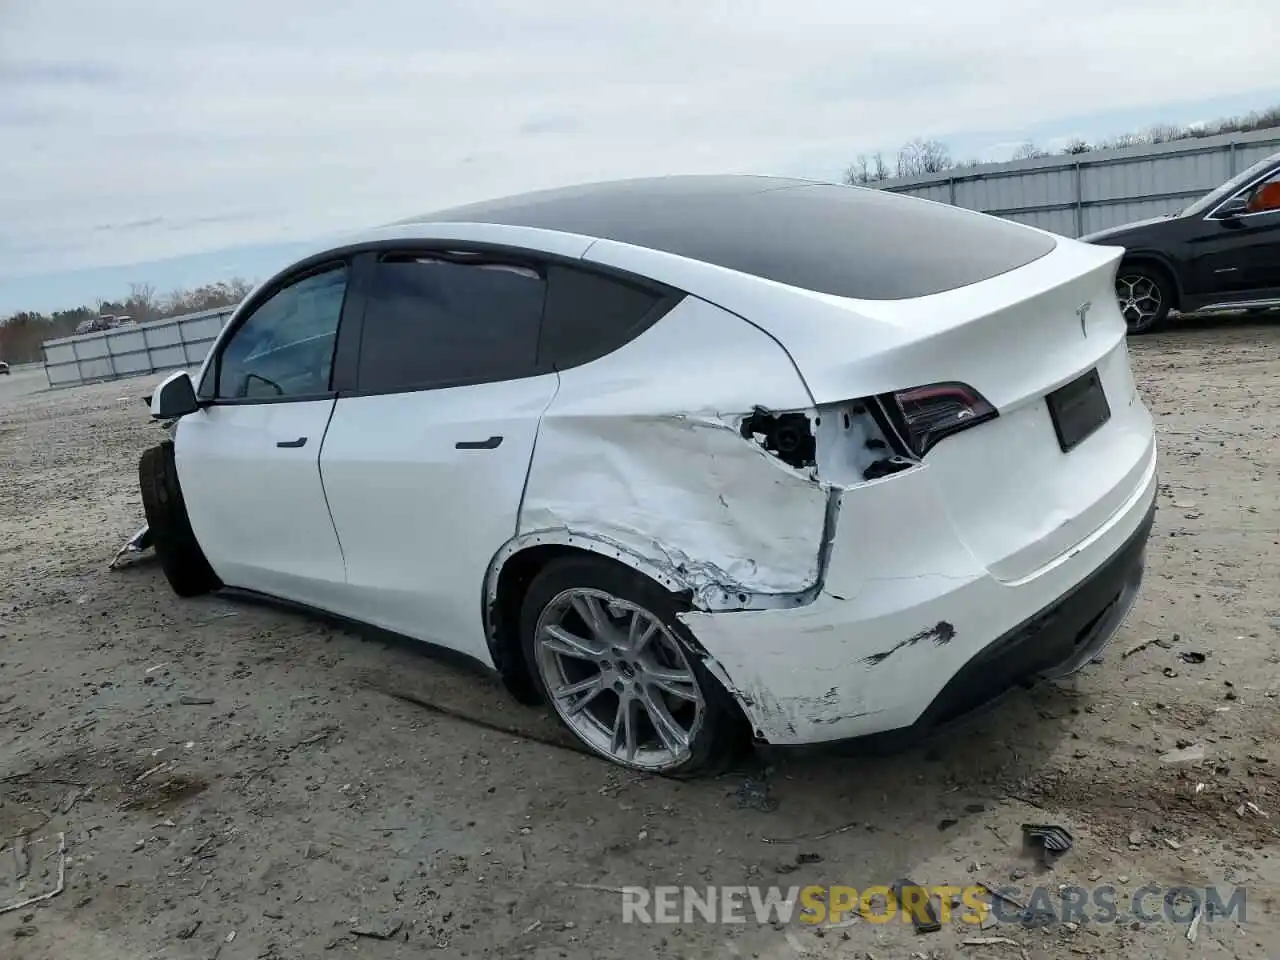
(237, 781)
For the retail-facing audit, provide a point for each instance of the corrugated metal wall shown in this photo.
(128, 351)
(1075, 195)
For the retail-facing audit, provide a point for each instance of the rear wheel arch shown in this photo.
(511, 572)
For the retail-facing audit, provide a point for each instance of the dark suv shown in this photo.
(1221, 253)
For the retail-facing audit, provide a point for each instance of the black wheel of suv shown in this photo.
(181, 558)
(1145, 296)
(622, 673)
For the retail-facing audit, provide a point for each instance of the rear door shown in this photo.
(249, 459)
(425, 461)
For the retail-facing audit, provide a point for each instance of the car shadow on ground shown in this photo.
(920, 792)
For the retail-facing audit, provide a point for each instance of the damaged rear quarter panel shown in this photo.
(656, 466)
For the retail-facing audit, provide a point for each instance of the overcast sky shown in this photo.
(133, 130)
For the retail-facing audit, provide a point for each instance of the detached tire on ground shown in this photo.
(1145, 295)
(622, 673)
(181, 558)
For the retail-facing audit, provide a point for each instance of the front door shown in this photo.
(425, 463)
(249, 460)
(1238, 255)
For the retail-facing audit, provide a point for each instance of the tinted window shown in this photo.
(433, 322)
(1265, 197)
(845, 241)
(588, 316)
(1218, 194)
(285, 347)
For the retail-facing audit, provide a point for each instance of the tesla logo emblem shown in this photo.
(1082, 312)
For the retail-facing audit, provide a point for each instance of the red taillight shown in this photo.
(925, 415)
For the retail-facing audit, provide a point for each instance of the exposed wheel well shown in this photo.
(1154, 265)
(504, 617)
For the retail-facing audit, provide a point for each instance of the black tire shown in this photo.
(181, 558)
(722, 735)
(1133, 277)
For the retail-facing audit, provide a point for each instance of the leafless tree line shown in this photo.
(22, 333)
(921, 156)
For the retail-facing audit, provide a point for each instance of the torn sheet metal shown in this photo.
(903, 607)
(140, 542)
(656, 472)
(713, 513)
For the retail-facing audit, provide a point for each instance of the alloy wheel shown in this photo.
(619, 679)
(1140, 300)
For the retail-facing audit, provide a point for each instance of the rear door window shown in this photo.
(438, 320)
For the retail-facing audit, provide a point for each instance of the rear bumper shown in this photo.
(1055, 643)
(908, 650)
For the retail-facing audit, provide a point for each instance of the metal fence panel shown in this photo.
(171, 344)
(1075, 195)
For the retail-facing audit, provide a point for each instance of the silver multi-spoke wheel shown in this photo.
(619, 679)
(1141, 300)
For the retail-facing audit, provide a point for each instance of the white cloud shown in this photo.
(145, 128)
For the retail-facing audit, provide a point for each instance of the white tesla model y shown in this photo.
(688, 458)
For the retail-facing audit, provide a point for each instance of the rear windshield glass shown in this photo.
(843, 241)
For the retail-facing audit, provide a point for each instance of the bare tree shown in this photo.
(867, 169)
(879, 168)
(1029, 151)
(923, 156)
(1165, 132)
(141, 304)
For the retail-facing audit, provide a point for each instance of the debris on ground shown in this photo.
(22, 860)
(383, 928)
(1137, 648)
(1192, 656)
(74, 706)
(1191, 754)
(59, 886)
(825, 834)
(915, 900)
(1253, 808)
(993, 941)
(993, 891)
(1048, 840)
(754, 795)
(1194, 926)
(140, 542)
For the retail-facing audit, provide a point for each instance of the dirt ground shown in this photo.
(237, 781)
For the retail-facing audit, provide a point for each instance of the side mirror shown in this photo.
(1235, 207)
(175, 397)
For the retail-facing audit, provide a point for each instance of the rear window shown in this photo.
(844, 241)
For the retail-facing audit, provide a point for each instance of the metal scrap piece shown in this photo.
(140, 542)
(918, 907)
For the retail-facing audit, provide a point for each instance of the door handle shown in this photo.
(292, 444)
(491, 444)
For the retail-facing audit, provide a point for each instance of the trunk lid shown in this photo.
(1014, 496)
